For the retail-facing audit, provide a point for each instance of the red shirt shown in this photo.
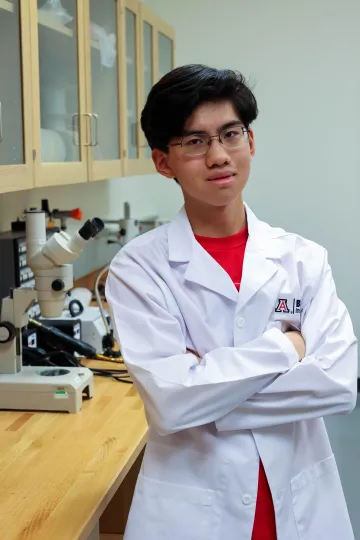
(229, 253)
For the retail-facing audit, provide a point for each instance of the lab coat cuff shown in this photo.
(287, 347)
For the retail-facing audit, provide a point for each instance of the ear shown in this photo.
(161, 162)
(252, 143)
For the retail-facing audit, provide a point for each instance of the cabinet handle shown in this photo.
(76, 124)
(1, 124)
(89, 115)
(96, 122)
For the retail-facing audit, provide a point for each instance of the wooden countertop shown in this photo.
(59, 471)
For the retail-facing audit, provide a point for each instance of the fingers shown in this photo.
(190, 351)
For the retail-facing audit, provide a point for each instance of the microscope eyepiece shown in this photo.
(91, 228)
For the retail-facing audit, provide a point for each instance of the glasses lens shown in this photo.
(194, 145)
(234, 137)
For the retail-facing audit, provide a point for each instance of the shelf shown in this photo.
(52, 24)
(7, 6)
(47, 21)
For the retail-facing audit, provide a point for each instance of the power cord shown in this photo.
(60, 358)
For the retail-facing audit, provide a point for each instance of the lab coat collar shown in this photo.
(181, 238)
(203, 269)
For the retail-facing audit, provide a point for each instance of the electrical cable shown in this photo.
(118, 360)
(84, 349)
(40, 357)
(112, 374)
(68, 342)
(108, 339)
(98, 297)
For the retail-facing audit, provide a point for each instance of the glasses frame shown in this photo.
(210, 137)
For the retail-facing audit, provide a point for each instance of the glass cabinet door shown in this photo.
(11, 112)
(131, 53)
(64, 125)
(165, 45)
(14, 86)
(149, 52)
(157, 56)
(104, 21)
(148, 57)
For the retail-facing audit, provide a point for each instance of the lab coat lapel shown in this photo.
(202, 268)
(205, 271)
(259, 267)
(257, 271)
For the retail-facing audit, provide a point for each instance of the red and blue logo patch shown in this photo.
(282, 306)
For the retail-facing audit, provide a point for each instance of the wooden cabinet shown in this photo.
(105, 84)
(77, 79)
(156, 59)
(131, 98)
(16, 159)
(77, 88)
(61, 122)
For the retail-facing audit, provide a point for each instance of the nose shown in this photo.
(216, 154)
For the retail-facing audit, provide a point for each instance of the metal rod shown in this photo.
(75, 125)
(89, 115)
(96, 122)
(1, 124)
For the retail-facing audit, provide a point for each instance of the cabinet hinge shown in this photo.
(34, 154)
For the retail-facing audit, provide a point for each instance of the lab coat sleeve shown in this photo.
(178, 393)
(323, 383)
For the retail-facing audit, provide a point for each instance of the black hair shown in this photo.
(173, 99)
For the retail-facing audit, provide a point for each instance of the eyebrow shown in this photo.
(233, 123)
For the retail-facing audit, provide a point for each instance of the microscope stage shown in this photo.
(46, 389)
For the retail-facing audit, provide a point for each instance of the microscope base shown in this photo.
(46, 389)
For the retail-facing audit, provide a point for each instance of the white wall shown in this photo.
(147, 195)
(303, 57)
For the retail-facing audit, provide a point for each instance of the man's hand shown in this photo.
(190, 351)
(298, 341)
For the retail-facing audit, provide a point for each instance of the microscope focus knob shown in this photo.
(7, 332)
(57, 285)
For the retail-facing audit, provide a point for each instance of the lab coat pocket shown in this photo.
(163, 511)
(319, 505)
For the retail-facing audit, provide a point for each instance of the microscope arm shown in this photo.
(49, 260)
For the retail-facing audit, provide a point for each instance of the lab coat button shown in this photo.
(240, 322)
(247, 499)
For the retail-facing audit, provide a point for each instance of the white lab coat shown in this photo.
(249, 396)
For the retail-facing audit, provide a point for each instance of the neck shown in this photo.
(216, 221)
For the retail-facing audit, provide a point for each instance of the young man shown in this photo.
(212, 313)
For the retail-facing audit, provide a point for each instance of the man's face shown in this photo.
(218, 176)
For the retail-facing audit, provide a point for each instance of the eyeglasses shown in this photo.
(199, 143)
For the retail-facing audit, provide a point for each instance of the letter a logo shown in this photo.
(282, 306)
